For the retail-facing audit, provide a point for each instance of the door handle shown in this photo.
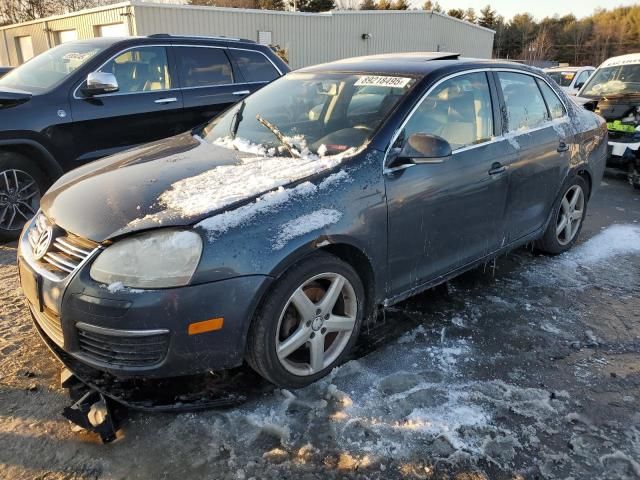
(497, 168)
(242, 92)
(166, 100)
(563, 147)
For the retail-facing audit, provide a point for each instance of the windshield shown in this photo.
(563, 79)
(319, 113)
(45, 71)
(619, 79)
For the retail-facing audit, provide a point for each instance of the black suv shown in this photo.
(87, 99)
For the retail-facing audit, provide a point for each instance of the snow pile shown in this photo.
(242, 145)
(574, 268)
(226, 184)
(268, 202)
(115, 287)
(613, 241)
(305, 224)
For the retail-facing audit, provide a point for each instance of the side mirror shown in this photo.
(99, 83)
(425, 148)
(579, 85)
(591, 106)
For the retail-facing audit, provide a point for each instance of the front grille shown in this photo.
(65, 251)
(122, 350)
(49, 322)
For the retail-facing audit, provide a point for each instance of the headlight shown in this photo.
(165, 258)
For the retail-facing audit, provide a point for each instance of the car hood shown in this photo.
(173, 182)
(10, 97)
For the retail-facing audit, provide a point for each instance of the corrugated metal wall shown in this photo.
(44, 32)
(317, 38)
(308, 38)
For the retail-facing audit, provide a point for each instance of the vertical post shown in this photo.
(6, 47)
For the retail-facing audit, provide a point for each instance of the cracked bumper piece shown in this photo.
(146, 333)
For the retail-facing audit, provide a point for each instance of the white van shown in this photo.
(615, 90)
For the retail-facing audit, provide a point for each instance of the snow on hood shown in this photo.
(178, 182)
(225, 185)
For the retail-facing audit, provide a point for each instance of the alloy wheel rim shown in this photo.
(316, 324)
(19, 198)
(570, 215)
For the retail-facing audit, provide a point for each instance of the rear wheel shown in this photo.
(21, 186)
(308, 323)
(567, 218)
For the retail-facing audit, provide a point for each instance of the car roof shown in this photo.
(412, 63)
(631, 58)
(564, 69)
(196, 39)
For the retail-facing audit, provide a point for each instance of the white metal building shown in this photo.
(308, 38)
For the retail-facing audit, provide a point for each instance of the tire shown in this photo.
(556, 239)
(17, 207)
(280, 325)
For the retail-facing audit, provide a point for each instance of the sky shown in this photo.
(538, 8)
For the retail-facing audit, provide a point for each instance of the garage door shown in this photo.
(113, 30)
(65, 36)
(25, 48)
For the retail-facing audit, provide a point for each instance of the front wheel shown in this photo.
(568, 216)
(308, 323)
(22, 184)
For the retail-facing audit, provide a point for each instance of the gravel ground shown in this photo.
(526, 369)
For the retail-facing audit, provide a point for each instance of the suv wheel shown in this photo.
(21, 186)
(568, 215)
(308, 323)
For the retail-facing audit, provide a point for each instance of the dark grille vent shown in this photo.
(122, 350)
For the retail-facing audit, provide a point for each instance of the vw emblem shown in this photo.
(43, 243)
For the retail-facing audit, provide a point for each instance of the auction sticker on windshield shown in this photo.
(382, 81)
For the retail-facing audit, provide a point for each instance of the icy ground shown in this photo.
(531, 370)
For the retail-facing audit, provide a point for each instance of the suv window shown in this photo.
(458, 110)
(553, 102)
(525, 106)
(143, 69)
(203, 66)
(254, 66)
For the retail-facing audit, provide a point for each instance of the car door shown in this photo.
(446, 214)
(541, 138)
(144, 108)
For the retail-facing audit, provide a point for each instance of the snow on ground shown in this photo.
(305, 224)
(572, 268)
(531, 373)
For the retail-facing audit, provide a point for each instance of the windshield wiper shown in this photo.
(237, 118)
(292, 150)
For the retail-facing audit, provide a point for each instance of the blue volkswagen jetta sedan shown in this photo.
(275, 231)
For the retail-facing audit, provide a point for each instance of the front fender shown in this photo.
(347, 205)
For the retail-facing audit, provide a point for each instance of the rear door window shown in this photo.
(556, 108)
(254, 66)
(524, 103)
(203, 66)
